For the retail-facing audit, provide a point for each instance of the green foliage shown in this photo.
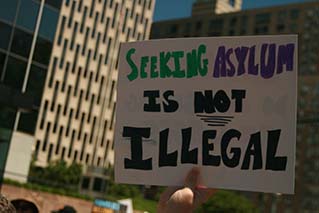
(56, 174)
(226, 201)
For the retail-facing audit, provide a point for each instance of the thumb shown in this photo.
(193, 178)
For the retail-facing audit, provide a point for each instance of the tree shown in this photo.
(56, 174)
(226, 201)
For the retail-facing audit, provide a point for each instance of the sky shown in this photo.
(170, 9)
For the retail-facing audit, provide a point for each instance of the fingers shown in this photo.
(193, 178)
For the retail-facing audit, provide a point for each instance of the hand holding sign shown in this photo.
(186, 199)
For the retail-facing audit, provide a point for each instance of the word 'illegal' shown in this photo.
(228, 62)
(230, 155)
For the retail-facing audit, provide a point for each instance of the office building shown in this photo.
(301, 19)
(64, 55)
(25, 48)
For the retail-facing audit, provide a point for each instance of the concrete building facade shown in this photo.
(301, 19)
(76, 117)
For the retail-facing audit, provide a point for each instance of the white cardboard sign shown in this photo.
(226, 105)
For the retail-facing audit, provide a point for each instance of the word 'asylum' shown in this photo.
(266, 60)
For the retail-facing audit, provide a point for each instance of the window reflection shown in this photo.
(7, 117)
(48, 23)
(5, 32)
(15, 72)
(8, 9)
(42, 51)
(21, 43)
(2, 58)
(27, 122)
(28, 12)
(36, 83)
(54, 3)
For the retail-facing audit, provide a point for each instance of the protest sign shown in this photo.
(226, 105)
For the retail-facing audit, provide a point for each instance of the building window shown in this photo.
(5, 32)
(46, 137)
(216, 25)
(55, 94)
(232, 3)
(97, 184)
(85, 182)
(294, 14)
(199, 25)
(54, 3)
(36, 82)
(280, 28)
(173, 29)
(50, 153)
(263, 18)
(55, 61)
(14, 74)
(28, 122)
(8, 10)
(61, 30)
(42, 52)
(83, 19)
(2, 59)
(71, 14)
(28, 13)
(233, 22)
(261, 30)
(21, 43)
(69, 123)
(44, 113)
(7, 117)
(65, 46)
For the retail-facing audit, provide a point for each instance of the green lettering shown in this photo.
(144, 61)
(192, 65)
(154, 72)
(178, 73)
(165, 71)
(202, 63)
(134, 74)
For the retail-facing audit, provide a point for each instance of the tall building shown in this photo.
(201, 7)
(25, 47)
(301, 19)
(76, 118)
(64, 54)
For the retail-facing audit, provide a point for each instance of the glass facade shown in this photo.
(18, 20)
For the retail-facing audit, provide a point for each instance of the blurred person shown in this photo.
(185, 199)
(5, 205)
(65, 209)
(24, 206)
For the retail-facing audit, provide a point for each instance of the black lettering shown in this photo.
(171, 105)
(238, 95)
(208, 159)
(272, 162)
(152, 106)
(136, 161)
(253, 149)
(234, 161)
(221, 101)
(188, 156)
(166, 159)
(204, 103)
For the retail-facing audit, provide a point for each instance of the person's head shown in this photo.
(24, 206)
(65, 209)
(5, 205)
